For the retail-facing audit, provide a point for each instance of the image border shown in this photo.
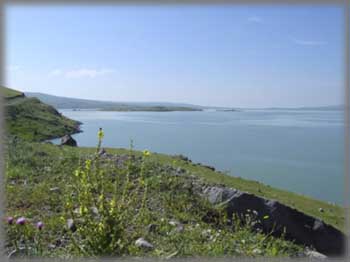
(342, 3)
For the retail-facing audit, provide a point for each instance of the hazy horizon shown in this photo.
(222, 56)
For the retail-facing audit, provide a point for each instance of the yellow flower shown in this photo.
(88, 164)
(83, 210)
(100, 198)
(146, 153)
(100, 134)
(100, 227)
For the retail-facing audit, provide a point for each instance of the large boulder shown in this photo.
(279, 219)
(67, 140)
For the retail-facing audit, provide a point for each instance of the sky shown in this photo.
(215, 55)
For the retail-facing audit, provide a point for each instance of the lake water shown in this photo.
(300, 151)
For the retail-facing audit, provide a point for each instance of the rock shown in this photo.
(299, 227)
(143, 243)
(95, 211)
(71, 225)
(314, 254)
(21, 251)
(180, 170)
(180, 228)
(257, 251)
(54, 189)
(67, 140)
(151, 228)
(102, 152)
(174, 222)
(51, 246)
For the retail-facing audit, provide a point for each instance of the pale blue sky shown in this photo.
(234, 55)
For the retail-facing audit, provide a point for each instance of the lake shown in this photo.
(297, 150)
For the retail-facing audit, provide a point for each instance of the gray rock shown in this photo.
(180, 170)
(179, 226)
(71, 225)
(314, 254)
(143, 243)
(20, 252)
(276, 217)
(67, 140)
(102, 152)
(54, 189)
(95, 211)
(174, 222)
(151, 228)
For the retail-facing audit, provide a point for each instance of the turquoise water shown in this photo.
(300, 151)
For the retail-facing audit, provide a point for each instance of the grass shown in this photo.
(9, 93)
(32, 120)
(51, 184)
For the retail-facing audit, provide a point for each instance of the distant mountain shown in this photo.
(77, 103)
(332, 107)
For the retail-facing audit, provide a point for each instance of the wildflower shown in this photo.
(88, 164)
(100, 227)
(10, 220)
(83, 210)
(39, 225)
(146, 153)
(21, 221)
(112, 203)
(100, 134)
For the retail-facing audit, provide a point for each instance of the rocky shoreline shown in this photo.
(274, 217)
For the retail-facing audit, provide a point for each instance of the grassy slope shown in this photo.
(30, 119)
(8, 93)
(333, 214)
(35, 169)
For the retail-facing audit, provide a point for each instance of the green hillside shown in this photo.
(9, 93)
(30, 119)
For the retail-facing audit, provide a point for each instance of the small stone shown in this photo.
(314, 254)
(180, 228)
(180, 170)
(67, 140)
(95, 211)
(174, 222)
(71, 225)
(54, 189)
(151, 228)
(21, 251)
(256, 251)
(143, 243)
(102, 152)
(51, 246)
